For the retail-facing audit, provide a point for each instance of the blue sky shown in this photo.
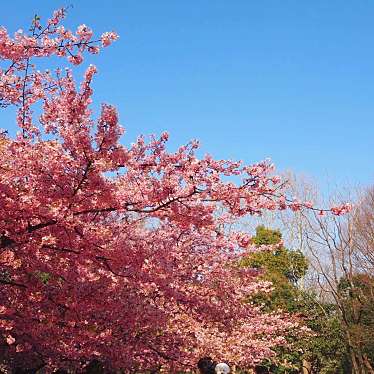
(289, 80)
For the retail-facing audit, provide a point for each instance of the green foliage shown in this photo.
(325, 347)
(282, 267)
(43, 276)
(265, 236)
(290, 264)
(357, 296)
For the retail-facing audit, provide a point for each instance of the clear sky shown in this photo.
(288, 80)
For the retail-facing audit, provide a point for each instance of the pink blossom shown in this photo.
(342, 209)
(108, 37)
(84, 32)
(308, 204)
(10, 339)
(295, 205)
(76, 60)
(115, 251)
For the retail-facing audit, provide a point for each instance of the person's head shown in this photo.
(222, 368)
(206, 365)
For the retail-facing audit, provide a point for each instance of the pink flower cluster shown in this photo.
(116, 253)
(341, 209)
(108, 38)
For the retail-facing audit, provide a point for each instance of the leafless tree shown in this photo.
(363, 226)
(338, 248)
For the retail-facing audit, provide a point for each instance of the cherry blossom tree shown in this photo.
(119, 253)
